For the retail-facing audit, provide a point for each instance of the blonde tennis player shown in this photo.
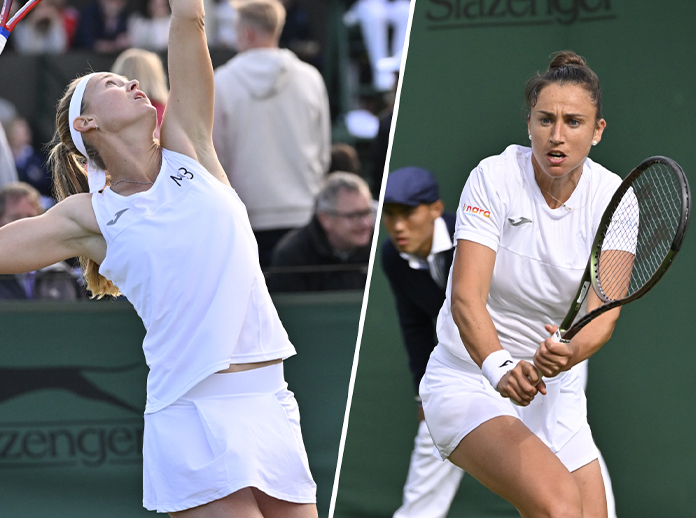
(161, 223)
(525, 226)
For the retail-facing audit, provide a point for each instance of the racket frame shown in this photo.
(567, 330)
(6, 27)
(5, 14)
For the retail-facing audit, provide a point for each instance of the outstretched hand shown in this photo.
(552, 358)
(522, 383)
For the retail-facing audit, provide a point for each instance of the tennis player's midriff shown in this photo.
(239, 367)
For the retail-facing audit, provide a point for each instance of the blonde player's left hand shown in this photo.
(552, 358)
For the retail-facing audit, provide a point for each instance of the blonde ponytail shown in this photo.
(70, 177)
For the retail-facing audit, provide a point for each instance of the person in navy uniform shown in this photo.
(416, 259)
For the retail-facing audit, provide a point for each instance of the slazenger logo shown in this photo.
(476, 211)
(39, 443)
(462, 14)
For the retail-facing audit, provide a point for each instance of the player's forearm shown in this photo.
(593, 336)
(190, 104)
(475, 327)
(191, 9)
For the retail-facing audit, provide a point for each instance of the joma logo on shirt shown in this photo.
(476, 211)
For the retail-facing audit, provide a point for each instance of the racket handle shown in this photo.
(557, 337)
(4, 33)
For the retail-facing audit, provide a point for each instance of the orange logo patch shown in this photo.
(470, 209)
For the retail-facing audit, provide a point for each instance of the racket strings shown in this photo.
(641, 232)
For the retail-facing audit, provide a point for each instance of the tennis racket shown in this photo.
(640, 233)
(7, 25)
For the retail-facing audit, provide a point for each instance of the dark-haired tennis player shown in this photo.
(525, 226)
(222, 434)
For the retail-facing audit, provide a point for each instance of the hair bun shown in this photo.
(566, 58)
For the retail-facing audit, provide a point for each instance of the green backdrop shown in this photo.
(72, 391)
(461, 100)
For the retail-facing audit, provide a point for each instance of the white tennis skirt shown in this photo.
(230, 431)
(457, 399)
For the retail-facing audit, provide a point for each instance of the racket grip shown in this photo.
(557, 336)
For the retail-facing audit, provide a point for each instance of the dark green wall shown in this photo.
(98, 346)
(461, 101)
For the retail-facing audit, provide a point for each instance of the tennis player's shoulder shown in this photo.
(505, 167)
(78, 208)
(604, 179)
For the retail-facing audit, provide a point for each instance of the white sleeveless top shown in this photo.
(184, 255)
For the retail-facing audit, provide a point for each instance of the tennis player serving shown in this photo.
(222, 434)
(525, 226)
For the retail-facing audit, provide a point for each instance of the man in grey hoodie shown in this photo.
(272, 128)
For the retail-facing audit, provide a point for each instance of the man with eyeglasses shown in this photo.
(416, 259)
(331, 252)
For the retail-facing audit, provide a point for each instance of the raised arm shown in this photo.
(187, 126)
(67, 230)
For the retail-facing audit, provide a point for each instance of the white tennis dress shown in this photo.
(541, 254)
(184, 255)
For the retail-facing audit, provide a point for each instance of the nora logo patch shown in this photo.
(471, 210)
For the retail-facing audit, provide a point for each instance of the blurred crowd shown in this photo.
(309, 199)
(110, 26)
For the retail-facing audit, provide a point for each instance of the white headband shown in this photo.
(96, 176)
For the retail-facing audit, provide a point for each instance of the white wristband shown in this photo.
(496, 365)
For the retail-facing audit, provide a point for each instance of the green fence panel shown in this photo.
(72, 392)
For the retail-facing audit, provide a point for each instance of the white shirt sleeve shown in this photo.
(622, 233)
(480, 213)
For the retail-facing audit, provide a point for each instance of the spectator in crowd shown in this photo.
(70, 17)
(332, 251)
(30, 162)
(8, 171)
(8, 111)
(272, 128)
(416, 260)
(297, 33)
(149, 28)
(147, 68)
(57, 282)
(379, 148)
(103, 27)
(344, 157)
(375, 17)
(380, 144)
(226, 25)
(42, 32)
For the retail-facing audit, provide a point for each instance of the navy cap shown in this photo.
(411, 186)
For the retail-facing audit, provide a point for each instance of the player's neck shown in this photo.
(556, 190)
(140, 162)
